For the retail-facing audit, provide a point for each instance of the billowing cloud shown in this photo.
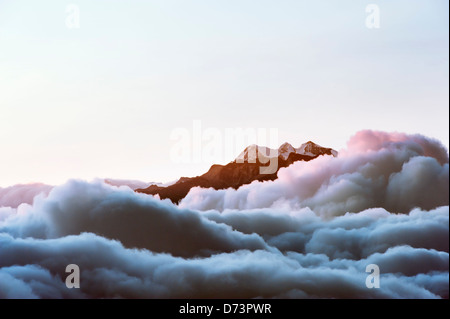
(15, 195)
(394, 171)
(257, 253)
(310, 234)
(352, 236)
(137, 220)
(108, 269)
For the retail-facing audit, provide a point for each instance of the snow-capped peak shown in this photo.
(285, 149)
(307, 148)
(252, 152)
(312, 149)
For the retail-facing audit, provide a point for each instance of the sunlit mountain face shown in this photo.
(309, 230)
(245, 169)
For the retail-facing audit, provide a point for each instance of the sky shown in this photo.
(103, 99)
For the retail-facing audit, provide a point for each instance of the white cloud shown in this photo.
(391, 170)
(305, 245)
(15, 195)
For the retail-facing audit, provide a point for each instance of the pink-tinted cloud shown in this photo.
(391, 170)
(15, 195)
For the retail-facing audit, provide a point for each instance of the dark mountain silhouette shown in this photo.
(243, 170)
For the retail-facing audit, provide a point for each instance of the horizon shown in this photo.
(112, 179)
(207, 167)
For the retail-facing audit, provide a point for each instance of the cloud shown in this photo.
(110, 270)
(368, 140)
(309, 234)
(352, 236)
(233, 254)
(15, 195)
(137, 220)
(394, 171)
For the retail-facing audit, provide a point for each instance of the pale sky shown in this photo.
(102, 100)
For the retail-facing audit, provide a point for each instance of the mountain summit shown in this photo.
(312, 149)
(253, 152)
(285, 150)
(243, 170)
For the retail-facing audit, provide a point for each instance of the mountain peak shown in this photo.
(311, 149)
(253, 151)
(285, 144)
(285, 149)
(242, 171)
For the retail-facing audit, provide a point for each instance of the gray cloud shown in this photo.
(353, 236)
(293, 238)
(394, 171)
(293, 254)
(137, 220)
(109, 270)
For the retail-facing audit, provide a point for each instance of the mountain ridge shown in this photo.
(241, 171)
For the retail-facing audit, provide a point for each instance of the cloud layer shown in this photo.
(391, 170)
(15, 195)
(309, 234)
(257, 253)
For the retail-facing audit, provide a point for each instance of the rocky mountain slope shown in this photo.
(243, 170)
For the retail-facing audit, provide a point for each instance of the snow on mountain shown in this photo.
(312, 149)
(307, 149)
(244, 170)
(252, 152)
(285, 150)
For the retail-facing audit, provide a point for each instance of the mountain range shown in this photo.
(243, 170)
